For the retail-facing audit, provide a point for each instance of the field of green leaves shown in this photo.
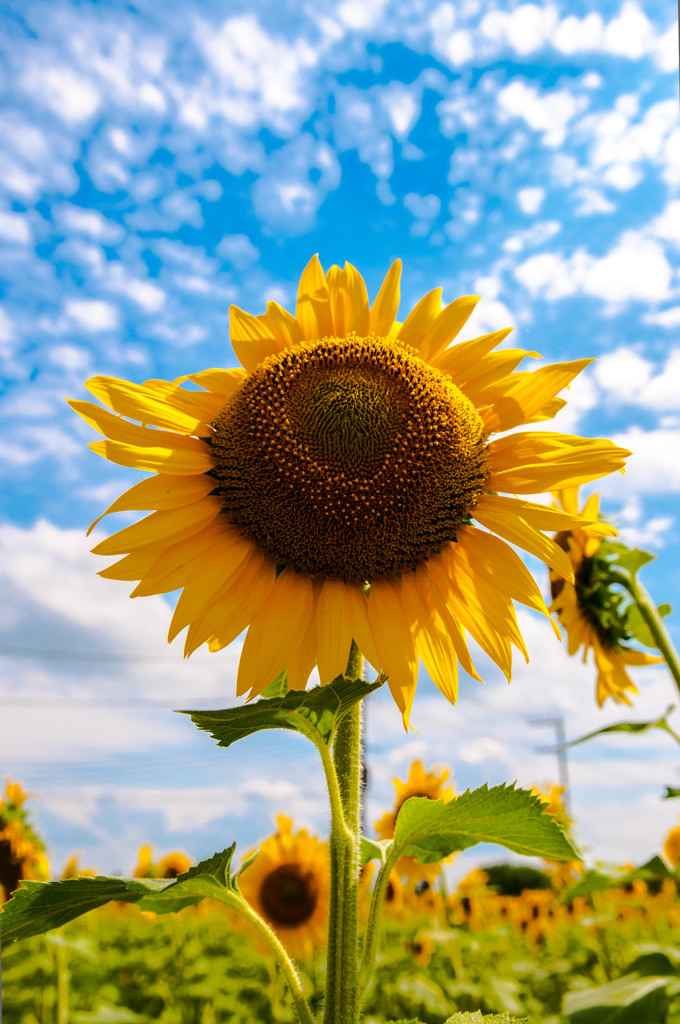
(614, 961)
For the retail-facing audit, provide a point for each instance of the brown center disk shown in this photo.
(349, 458)
(289, 895)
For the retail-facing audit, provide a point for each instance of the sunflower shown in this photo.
(671, 846)
(288, 884)
(170, 866)
(588, 607)
(22, 852)
(418, 783)
(325, 491)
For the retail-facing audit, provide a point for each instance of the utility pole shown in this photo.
(557, 723)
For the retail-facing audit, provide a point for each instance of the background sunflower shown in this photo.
(22, 852)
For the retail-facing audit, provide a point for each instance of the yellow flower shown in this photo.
(589, 609)
(671, 846)
(22, 852)
(418, 783)
(145, 868)
(325, 492)
(288, 884)
(172, 865)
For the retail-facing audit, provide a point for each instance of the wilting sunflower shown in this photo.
(22, 852)
(288, 884)
(325, 492)
(589, 607)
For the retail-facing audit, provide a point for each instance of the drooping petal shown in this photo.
(313, 308)
(231, 610)
(434, 647)
(394, 643)
(177, 461)
(118, 429)
(386, 305)
(133, 566)
(275, 632)
(172, 568)
(361, 630)
(519, 532)
(541, 517)
(434, 599)
(333, 629)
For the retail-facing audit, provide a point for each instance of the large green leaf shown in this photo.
(622, 557)
(432, 829)
(40, 906)
(633, 727)
(628, 1000)
(600, 881)
(315, 712)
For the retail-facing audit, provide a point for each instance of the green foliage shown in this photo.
(315, 713)
(631, 727)
(40, 906)
(479, 1018)
(630, 560)
(672, 792)
(628, 1000)
(637, 626)
(598, 881)
(433, 829)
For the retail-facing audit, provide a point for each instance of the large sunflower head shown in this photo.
(288, 884)
(325, 491)
(590, 607)
(22, 852)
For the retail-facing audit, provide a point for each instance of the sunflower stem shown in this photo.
(342, 1004)
(241, 905)
(654, 623)
(373, 926)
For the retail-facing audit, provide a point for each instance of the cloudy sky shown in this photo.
(154, 168)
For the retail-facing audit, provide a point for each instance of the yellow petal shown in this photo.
(233, 608)
(209, 575)
(515, 399)
(221, 382)
(170, 526)
(275, 632)
(361, 631)
(118, 429)
(433, 646)
(313, 308)
(301, 660)
(148, 405)
(491, 368)
(384, 309)
(541, 517)
(446, 326)
(250, 339)
(348, 300)
(537, 461)
(433, 598)
(173, 565)
(333, 630)
(494, 515)
(394, 643)
(205, 407)
(460, 358)
(132, 566)
(160, 492)
(178, 462)
(420, 318)
(282, 325)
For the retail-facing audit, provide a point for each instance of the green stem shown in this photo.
(654, 623)
(238, 903)
(373, 926)
(342, 1006)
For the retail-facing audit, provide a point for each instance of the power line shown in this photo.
(57, 654)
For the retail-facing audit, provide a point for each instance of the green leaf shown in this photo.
(372, 849)
(634, 727)
(672, 792)
(315, 713)
(432, 829)
(600, 881)
(40, 906)
(628, 1000)
(630, 559)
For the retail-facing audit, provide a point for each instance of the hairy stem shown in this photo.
(654, 623)
(342, 1005)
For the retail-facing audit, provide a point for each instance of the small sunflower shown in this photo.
(418, 783)
(22, 852)
(326, 490)
(589, 608)
(671, 846)
(170, 866)
(288, 884)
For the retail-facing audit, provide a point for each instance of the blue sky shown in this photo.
(156, 166)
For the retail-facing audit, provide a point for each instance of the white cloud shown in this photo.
(546, 112)
(92, 314)
(653, 468)
(238, 250)
(14, 228)
(71, 96)
(525, 29)
(71, 358)
(360, 14)
(667, 318)
(532, 237)
(631, 379)
(295, 183)
(531, 199)
(636, 268)
(422, 207)
(83, 221)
